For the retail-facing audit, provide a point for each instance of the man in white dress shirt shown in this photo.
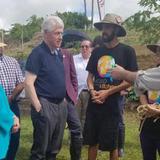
(81, 61)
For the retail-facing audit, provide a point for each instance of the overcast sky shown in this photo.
(18, 11)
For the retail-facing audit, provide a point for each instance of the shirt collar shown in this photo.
(51, 52)
(56, 51)
(81, 57)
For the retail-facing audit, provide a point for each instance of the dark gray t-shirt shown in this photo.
(100, 63)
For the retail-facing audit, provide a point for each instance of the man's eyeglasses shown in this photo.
(85, 46)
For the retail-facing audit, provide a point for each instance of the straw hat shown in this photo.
(114, 19)
(153, 47)
(2, 44)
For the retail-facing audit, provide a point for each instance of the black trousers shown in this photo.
(150, 145)
(73, 121)
(14, 141)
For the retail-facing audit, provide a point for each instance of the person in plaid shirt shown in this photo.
(11, 79)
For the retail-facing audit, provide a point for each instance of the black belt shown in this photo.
(85, 90)
(54, 100)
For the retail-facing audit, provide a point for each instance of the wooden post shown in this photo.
(85, 13)
(85, 8)
(99, 10)
(92, 14)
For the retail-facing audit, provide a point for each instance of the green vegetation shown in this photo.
(146, 22)
(25, 32)
(74, 20)
(19, 53)
(142, 28)
(131, 96)
(132, 145)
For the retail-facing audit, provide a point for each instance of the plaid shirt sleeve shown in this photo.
(19, 75)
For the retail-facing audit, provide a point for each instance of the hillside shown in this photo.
(145, 58)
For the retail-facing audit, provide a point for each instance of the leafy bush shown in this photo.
(131, 96)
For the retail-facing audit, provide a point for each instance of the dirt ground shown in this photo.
(145, 58)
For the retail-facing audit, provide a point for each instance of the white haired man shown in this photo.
(45, 84)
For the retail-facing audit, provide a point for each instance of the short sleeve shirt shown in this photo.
(101, 60)
(10, 74)
(49, 69)
(100, 63)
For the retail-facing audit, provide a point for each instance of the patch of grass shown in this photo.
(132, 144)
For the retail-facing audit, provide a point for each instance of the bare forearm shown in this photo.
(32, 94)
(30, 89)
(124, 85)
(90, 81)
(120, 73)
(129, 76)
(18, 89)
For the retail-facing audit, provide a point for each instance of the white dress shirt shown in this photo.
(80, 65)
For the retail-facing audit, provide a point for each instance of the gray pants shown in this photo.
(82, 106)
(74, 125)
(48, 131)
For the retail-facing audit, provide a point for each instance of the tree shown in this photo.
(16, 32)
(74, 20)
(146, 22)
(33, 26)
(28, 30)
(71, 20)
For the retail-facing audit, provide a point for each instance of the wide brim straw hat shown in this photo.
(114, 19)
(153, 47)
(2, 44)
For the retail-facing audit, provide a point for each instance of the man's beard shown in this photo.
(108, 38)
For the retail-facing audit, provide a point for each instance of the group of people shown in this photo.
(85, 90)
